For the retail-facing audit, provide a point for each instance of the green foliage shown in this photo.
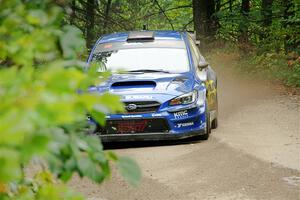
(132, 15)
(269, 46)
(43, 113)
(282, 33)
(270, 26)
(270, 66)
(279, 66)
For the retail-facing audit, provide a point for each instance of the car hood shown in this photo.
(145, 86)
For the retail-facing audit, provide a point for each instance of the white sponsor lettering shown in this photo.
(131, 116)
(181, 114)
(134, 97)
(160, 114)
(185, 124)
(157, 115)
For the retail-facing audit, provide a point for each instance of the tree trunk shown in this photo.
(204, 23)
(211, 19)
(106, 17)
(73, 14)
(218, 8)
(90, 22)
(196, 18)
(245, 9)
(290, 43)
(266, 12)
(218, 5)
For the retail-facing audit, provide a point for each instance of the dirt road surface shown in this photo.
(254, 154)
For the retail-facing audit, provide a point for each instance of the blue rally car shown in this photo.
(168, 89)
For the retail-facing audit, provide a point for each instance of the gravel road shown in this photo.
(254, 154)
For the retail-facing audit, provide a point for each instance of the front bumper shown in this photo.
(183, 123)
(149, 136)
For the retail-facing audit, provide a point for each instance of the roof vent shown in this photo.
(140, 36)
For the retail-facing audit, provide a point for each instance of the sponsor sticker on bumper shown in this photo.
(181, 114)
(179, 125)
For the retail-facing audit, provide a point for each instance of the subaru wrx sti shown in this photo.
(168, 89)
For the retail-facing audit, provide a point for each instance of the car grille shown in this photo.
(131, 126)
(141, 107)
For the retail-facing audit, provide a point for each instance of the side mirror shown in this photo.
(202, 65)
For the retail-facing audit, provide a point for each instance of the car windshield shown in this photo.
(171, 60)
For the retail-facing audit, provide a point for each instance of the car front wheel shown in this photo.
(208, 127)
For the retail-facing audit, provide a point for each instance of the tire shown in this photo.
(214, 123)
(208, 127)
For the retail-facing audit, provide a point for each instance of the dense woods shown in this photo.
(255, 27)
(265, 24)
(266, 31)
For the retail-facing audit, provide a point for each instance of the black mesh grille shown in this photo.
(141, 107)
(135, 126)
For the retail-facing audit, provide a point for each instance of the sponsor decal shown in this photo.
(135, 97)
(107, 46)
(132, 44)
(185, 124)
(131, 116)
(181, 114)
(156, 115)
(162, 114)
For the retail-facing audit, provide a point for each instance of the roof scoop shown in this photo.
(136, 36)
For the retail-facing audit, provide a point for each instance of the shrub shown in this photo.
(42, 114)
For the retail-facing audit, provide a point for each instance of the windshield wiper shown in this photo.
(149, 71)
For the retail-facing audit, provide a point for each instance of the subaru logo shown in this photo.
(131, 106)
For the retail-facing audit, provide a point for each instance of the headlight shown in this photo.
(185, 99)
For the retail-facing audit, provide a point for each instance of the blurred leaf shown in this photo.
(88, 168)
(94, 143)
(129, 169)
(71, 41)
(44, 102)
(34, 145)
(112, 156)
(98, 116)
(9, 165)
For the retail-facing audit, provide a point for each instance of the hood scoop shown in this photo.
(133, 84)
